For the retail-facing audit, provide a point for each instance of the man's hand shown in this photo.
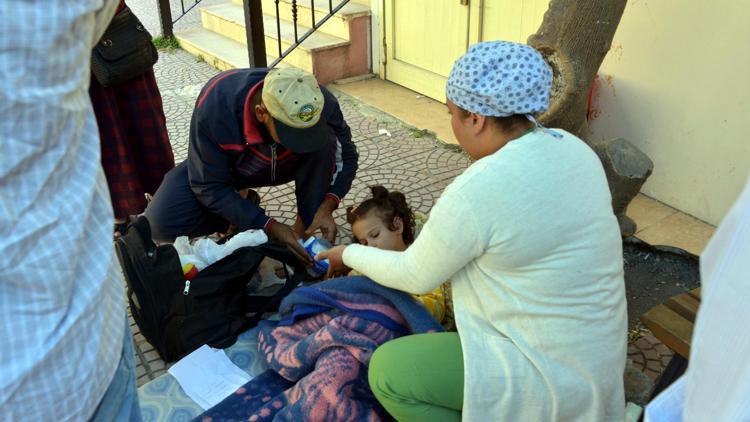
(285, 234)
(299, 226)
(323, 220)
(335, 257)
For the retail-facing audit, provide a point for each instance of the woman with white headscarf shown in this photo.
(529, 240)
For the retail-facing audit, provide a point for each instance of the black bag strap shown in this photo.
(144, 229)
(280, 252)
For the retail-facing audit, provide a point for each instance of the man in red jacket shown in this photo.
(253, 128)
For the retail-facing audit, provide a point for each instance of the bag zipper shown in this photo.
(273, 162)
(187, 288)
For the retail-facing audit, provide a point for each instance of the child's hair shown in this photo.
(388, 206)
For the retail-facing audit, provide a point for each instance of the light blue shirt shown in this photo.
(61, 292)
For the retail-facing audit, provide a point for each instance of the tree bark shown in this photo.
(574, 37)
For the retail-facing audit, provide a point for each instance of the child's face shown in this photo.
(370, 230)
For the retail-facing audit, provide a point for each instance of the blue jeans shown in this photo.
(120, 401)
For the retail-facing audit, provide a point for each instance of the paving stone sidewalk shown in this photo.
(391, 153)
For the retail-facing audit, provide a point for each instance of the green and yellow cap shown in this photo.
(294, 99)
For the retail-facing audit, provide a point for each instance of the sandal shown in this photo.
(119, 229)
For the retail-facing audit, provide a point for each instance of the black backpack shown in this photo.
(178, 316)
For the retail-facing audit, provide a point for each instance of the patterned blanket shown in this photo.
(318, 353)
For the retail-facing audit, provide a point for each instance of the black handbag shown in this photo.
(124, 51)
(176, 315)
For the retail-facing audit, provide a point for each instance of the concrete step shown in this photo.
(215, 49)
(327, 56)
(337, 25)
(228, 19)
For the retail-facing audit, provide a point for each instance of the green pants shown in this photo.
(420, 377)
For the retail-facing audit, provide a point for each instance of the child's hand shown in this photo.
(335, 257)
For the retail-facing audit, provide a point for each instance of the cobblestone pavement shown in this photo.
(649, 355)
(391, 153)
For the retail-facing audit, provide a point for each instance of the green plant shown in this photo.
(166, 43)
(419, 133)
(200, 59)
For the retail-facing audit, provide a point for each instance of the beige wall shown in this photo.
(512, 20)
(676, 83)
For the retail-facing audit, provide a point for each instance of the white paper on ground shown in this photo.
(208, 376)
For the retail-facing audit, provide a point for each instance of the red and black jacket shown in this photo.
(229, 151)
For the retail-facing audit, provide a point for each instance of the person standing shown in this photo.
(66, 351)
(716, 386)
(136, 153)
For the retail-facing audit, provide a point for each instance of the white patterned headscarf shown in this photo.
(500, 78)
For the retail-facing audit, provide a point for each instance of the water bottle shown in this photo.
(314, 246)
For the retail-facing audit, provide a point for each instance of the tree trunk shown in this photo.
(574, 38)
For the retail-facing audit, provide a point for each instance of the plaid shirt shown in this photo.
(61, 295)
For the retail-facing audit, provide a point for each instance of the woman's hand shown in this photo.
(335, 257)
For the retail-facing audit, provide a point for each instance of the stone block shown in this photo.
(638, 385)
(627, 169)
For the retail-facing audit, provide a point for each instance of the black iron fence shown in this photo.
(256, 45)
(165, 14)
(315, 24)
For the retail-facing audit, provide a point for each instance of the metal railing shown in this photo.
(297, 38)
(165, 15)
(256, 44)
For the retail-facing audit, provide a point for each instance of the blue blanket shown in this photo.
(319, 352)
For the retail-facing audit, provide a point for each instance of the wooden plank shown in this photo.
(696, 293)
(685, 304)
(670, 327)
